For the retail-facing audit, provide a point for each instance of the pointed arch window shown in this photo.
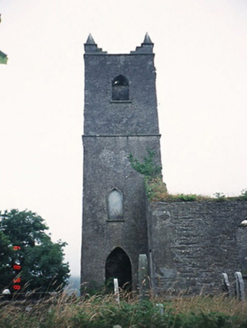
(115, 205)
(120, 88)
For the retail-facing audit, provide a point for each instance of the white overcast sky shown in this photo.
(201, 62)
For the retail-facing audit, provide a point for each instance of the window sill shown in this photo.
(120, 220)
(121, 101)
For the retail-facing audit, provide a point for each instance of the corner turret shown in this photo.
(146, 47)
(91, 47)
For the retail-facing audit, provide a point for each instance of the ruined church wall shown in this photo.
(192, 243)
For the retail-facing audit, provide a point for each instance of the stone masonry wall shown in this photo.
(114, 128)
(192, 243)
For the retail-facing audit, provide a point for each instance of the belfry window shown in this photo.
(115, 205)
(120, 88)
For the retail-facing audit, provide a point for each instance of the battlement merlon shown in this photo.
(146, 47)
(92, 48)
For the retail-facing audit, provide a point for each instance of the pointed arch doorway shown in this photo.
(118, 266)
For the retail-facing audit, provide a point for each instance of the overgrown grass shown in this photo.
(156, 191)
(104, 312)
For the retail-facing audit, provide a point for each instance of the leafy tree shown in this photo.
(5, 250)
(40, 259)
(3, 58)
(6, 254)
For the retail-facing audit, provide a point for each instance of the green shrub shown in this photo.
(148, 168)
(243, 194)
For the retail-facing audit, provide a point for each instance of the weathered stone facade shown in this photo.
(188, 244)
(192, 243)
(120, 118)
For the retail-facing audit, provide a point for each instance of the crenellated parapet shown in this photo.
(146, 47)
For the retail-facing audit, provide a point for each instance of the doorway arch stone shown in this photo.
(118, 266)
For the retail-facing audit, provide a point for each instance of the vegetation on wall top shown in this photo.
(156, 189)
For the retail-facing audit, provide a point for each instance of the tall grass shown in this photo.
(102, 311)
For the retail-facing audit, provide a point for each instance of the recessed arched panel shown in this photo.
(115, 205)
(120, 88)
(118, 266)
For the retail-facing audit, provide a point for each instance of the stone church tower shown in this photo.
(120, 118)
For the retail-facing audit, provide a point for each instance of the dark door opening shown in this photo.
(118, 266)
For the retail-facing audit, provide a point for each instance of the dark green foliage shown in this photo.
(41, 260)
(23, 228)
(43, 267)
(5, 250)
(6, 254)
(203, 320)
(243, 194)
(220, 197)
(187, 198)
(148, 167)
(3, 58)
